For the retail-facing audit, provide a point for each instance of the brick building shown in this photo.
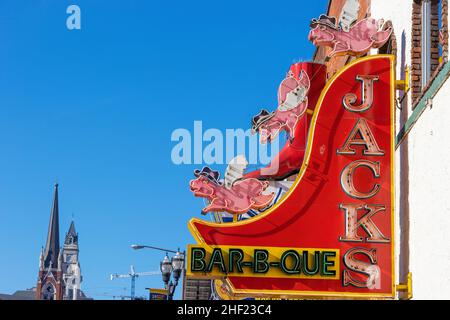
(420, 43)
(59, 276)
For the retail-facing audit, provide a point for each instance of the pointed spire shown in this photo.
(60, 260)
(72, 231)
(41, 260)
(51, 251)
(71, 235)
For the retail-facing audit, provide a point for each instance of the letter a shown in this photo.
(361, 135)
(74, 20)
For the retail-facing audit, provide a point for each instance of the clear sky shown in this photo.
(94, 110)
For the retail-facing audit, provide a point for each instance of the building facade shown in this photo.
(423, 205)
(420, 43)
(70, 265)
(59, 276)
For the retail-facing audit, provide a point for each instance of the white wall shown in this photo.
(430, 200)
(429, 174)
(400, 13)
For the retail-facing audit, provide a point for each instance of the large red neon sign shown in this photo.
(341, 205)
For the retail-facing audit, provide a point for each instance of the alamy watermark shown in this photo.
(213, 146)
(73, 21)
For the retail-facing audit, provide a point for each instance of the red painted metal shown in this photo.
(310, 215)
(290, 158)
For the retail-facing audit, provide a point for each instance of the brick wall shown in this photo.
(434, 35)
(416, 46)
(334, 10)
(444, 29)
(389, 47)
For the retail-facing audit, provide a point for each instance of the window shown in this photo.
(426, 42)
(425, 47)
(49, 292)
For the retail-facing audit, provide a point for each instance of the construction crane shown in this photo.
(133, 275)
(121, 297)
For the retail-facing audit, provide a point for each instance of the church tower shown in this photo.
(50, 282)
(71, 266)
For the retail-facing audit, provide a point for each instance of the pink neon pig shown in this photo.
(243, 196)
(292, 104)
(362, 36)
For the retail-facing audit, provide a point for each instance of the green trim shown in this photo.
(260, 264)
(232, 261)
(313, 271)
(296, 259)
(217, 259)
(437, 83)
(325, 263)
(198, 259)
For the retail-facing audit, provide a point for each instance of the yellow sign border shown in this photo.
(322, 294)
(275, 252)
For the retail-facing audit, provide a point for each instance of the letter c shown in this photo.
(347, 179)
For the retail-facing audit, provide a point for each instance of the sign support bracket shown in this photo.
(406, 287)
(403, 85)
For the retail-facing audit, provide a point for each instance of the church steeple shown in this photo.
(59, 276)
(71, 266)
(51, 251)
(50, 278)
(72, 235)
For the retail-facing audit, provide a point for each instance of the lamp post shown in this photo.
(140, 247)
(169, 267)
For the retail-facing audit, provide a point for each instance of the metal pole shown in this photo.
(156, 248)
(132, 286)
(170, 291)
(169, 285)
(183, 275)
(404, 184)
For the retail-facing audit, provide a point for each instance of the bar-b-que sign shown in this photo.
(332, 234)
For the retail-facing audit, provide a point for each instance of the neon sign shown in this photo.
(217, 262)
(339, 212)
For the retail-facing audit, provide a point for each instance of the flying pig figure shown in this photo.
(357, 41)
(241, 197)
(292, 104)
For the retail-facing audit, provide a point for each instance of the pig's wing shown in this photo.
(235, 170)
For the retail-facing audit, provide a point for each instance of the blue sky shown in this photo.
(94, 110)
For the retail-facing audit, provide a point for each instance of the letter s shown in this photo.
(361, 267)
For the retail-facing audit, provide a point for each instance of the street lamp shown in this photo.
(166, 269)
(177, 265)
(140, 247)
(174, 267)
(169, 267)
